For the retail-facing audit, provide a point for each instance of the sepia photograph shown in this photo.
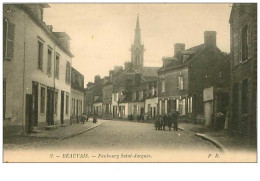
(129, 82)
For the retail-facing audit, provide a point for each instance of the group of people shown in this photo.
(167, 120)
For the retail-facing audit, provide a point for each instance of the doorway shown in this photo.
(62, 108)
(35, 86)
(50, 106)
(28, 112)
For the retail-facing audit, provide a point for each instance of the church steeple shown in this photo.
(137, 49)
(137, 32)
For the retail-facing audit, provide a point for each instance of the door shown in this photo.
(62, 108)
(28, 113)
(35, 86)
(50, 106)
(235, 106)
(4, 97)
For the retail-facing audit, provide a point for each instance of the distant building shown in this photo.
(184, 78)
(93, 97)
(107, 91)
(37, 63)
(77, 95)
(243, 66)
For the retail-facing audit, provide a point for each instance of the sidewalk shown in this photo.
(220, 138)
(66, 132)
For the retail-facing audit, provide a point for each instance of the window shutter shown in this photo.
(249, 40)
(5, 24)
(10, 40)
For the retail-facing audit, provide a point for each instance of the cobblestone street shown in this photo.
(114, 135)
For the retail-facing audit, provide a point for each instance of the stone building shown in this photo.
(37, 64)
(77, 95)
(243, 66)
(183, 78)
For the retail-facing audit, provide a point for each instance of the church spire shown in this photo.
(137, 49)
(137, 32)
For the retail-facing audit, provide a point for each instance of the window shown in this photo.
(40, 55)
(244, 44)
(73, 106)
(134, 95)
(67, 103)
(8, 40)
(141, 95)
(57, 66)
(180, 81)
(56, 102)
(163, 86)
(42, 100)
(67, 73)
(244, 93)
(123, 110)
(190, 105)
(49, 62)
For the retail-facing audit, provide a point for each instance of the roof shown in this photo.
(61, 35)
(150, 71)
(193, 50)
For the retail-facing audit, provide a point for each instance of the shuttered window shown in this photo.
(49, 62)
(40, 55)
(180, 82)
(244, 44)
(57, 66)
(68, 73)
(42, 100)
(8, 40)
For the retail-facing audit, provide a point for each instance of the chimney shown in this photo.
(178, 48)
(210, 38)
(50, 27)
(167, 61)
(97, 79)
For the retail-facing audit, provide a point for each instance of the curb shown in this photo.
(211, 140)
(79, 133)
(181, 129)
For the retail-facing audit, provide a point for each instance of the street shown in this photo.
(118, 135)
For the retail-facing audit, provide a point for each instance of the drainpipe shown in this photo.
(23, 108)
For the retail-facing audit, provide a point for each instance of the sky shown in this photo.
(101, 34)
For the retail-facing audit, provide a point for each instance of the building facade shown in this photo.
(243, 66)
(77, 95)
(107, 91)
(183, 78)
(36, 69)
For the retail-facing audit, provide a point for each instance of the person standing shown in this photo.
(175, 120)
(164, 122)
(169, 121)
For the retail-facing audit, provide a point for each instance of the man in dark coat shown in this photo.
(175, 120)
(164, 121)
(169, 121)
